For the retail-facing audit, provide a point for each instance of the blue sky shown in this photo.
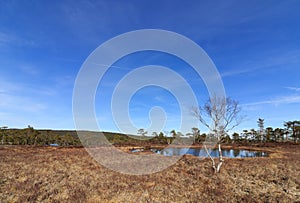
(255, 45)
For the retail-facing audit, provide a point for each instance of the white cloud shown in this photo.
(14, 102)
(12, 39)
(11, 88)
(5, 38)
(280, 100)
(12, 97)
(276, 59)
(239, 71)
(293, 88)
(30, 70)
(159, 98)
(6, 87)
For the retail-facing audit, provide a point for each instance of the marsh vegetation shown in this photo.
(60, 174)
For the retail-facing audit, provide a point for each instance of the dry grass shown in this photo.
(31, 174)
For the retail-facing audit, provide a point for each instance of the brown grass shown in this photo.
(43, 174)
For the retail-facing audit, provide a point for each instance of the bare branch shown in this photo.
(196, 112)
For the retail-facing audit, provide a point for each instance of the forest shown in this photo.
(38, 137)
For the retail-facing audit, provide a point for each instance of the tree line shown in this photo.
(31, 136)
(290, 132)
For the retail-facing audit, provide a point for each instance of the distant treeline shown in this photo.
(31, 136)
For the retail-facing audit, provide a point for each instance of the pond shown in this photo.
(230, 153)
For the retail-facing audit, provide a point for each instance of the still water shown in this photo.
(231, 153)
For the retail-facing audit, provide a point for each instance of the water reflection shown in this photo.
(231, 153)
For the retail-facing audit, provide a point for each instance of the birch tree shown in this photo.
(220, 115)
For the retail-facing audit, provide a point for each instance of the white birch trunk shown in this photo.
(212, 159)
(220, 158)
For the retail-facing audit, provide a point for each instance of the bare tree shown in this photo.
(260, 123)
(142, 134)
(223, 114)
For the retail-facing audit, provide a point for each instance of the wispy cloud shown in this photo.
(12, 39)
(6, 87)
(14, 96)
(271, 61)
(64, 81)
(19, 103)
(11, 88)
(5, 38)
(293, 88)
(277, 101)
(235, 72)
(30, 70)
(159, 99)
